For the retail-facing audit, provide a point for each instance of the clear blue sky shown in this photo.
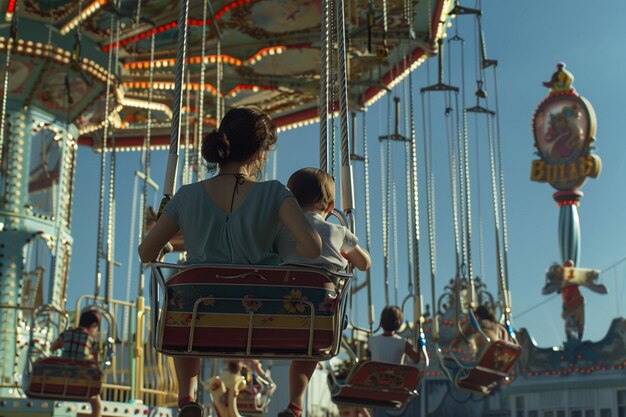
(527, 38)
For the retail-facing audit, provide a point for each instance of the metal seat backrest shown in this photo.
(250, 311)
(64, 378)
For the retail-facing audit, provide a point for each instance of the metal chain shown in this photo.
(332, 82)
(323, 103)
(105, 134)
(409, 209)
(385, 224)
(111, 207)
(218, 96)
(181, 50)
(505, 239)
(417, 306)
(200, 122)
(368, 227)
(481, 240)
(394, 201)
(343, 86)
(430, 196)
(147, 157)
(453, 182)
(186, 161)
(496, 208)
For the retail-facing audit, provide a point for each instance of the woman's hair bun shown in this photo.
(215, 147)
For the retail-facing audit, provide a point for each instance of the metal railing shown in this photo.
(138, 373)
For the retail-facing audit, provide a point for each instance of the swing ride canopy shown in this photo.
(64, 54)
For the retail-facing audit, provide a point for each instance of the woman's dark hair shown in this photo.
(484, 313)
(391, 318)
(89, 317)
(242, 132)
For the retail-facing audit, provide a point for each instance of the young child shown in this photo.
(315, 191)
(80, 344)
(389, 347)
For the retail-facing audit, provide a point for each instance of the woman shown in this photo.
(230, 218)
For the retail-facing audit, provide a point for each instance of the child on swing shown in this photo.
(315, 191)
(80, 344)
(389, 347)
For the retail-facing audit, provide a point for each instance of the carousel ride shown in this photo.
(128, 76)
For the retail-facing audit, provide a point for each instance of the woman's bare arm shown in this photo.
(308, 241)
(163, 230)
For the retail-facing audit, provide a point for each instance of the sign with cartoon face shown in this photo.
(564, 130)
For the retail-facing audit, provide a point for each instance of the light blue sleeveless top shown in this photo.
(243, 237)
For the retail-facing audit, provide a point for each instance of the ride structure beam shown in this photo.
(22, 224)
(395, 136)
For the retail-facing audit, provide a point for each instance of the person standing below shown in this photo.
(390, 347)
(230, 218)
(80, 344)
(315, 191)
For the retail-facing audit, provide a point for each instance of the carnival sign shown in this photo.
(564, 126)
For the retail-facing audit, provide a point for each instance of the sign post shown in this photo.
(564, 126)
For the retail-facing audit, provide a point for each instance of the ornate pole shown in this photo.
(564, 127)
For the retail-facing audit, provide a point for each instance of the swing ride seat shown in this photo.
(65, 379)
(491, 368)
(248, 311)
(376, 384)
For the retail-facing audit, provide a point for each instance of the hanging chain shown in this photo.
(496, 208)
(417, 303)
(409, 211)
(481, 240)
(343, 86)
(394, 201)
(430, 197)
(453, 181)
(333, 83)
(147, 157)
(505, 239)
(200, 121)
(368, 227)
(323, 103)
(105, 134)
(385, 224)
(186, 161)
(181, 51)
(111, 206)
(219, 83)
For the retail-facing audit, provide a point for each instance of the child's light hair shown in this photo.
(312, 187)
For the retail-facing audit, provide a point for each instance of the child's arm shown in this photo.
(411, 352)
(359, 258)
(308, 241)
(57, 344)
